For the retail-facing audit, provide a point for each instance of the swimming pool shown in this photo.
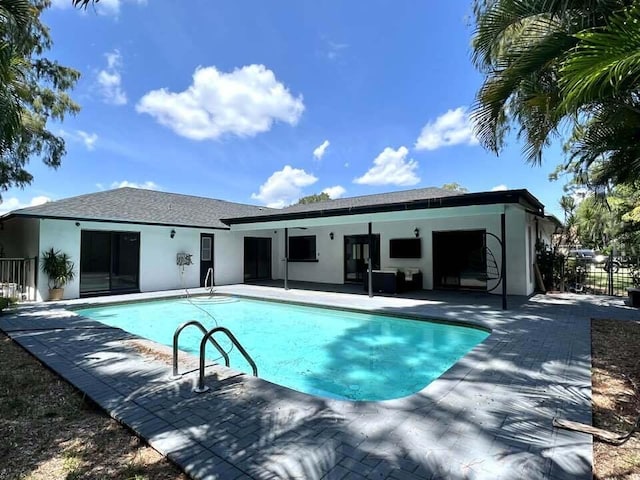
(321, 351)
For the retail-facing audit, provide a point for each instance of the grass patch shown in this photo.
(616, 404)
(50, 432)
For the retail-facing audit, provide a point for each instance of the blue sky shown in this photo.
(263, 102)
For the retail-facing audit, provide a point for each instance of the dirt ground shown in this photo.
(615, 379)
(50, 432)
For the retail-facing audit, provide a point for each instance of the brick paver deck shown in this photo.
(489, 416)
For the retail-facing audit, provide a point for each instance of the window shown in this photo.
(302, 249)
(205, 251)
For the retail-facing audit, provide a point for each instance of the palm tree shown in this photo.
(536, 56)
(32, 91)
(14, 27)
(600, 79)
(84, 3)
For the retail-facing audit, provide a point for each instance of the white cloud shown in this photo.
(452, 128)
(320, 150)
(499, 188)
(12, 203)
(125, 183)
(89, 139)
(391, 167)
(284, 187)
(109, 80)
(103, 7)
(335, 49)
(335, 192)
(244, 102)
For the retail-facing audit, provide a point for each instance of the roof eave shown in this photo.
(522, 197)
(12, 215)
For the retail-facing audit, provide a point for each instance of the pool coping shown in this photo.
(404, 414)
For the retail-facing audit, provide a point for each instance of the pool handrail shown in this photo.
(177, 333)
(201, 387)
(207, 277)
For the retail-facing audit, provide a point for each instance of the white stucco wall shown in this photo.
(330, 253)
(229, 254)
(158, 269)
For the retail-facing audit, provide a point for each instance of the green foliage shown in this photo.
(455, 187)
(318, 197)
(606, 61)
(6, 302)
(606, 220)
(33, 91)
(550, 263)
(58, 267)
(562, 63)
(83, 3)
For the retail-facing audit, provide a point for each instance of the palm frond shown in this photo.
(605, 62)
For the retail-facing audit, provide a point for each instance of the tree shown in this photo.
(550, 63)
(33, 91)
(455, 187)
(84, 3)
(607, 219)
(317, 197)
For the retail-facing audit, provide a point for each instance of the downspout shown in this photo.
(503, 237)
(370, 267)
(286, 258)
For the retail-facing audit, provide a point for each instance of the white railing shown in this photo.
(18, 278)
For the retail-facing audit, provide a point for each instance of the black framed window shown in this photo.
(302, 249)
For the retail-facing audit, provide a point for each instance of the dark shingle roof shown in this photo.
(134, 205)
(422, 198)
(402, 196)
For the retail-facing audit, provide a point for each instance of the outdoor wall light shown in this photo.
(173, 233)
(416, 232)
(331, 235)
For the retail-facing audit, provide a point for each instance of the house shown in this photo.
(130, 240)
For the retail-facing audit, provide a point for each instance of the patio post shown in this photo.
(503, 237)
(286, 258)
(370, 267)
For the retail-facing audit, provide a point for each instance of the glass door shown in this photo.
(206, 258)
(109, 262)
(257, 258)
(356, 253)
(459, 260)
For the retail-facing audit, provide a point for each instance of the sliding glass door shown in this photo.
(356, 253)
(257, 258)
(109, 262)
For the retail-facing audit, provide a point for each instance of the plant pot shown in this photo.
(56, 294)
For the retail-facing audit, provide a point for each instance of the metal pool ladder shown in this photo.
(209, 276)
(201, 327)
(201, 387)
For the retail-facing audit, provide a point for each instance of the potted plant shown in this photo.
(6, 302)
(60, 270)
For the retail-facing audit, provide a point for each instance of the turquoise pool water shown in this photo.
(324, 352)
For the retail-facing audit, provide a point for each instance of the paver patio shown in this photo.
(489, 416)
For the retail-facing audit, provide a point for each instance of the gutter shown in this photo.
(521, 197)
(103, 220)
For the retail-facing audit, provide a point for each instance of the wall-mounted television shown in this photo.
(405, 248)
